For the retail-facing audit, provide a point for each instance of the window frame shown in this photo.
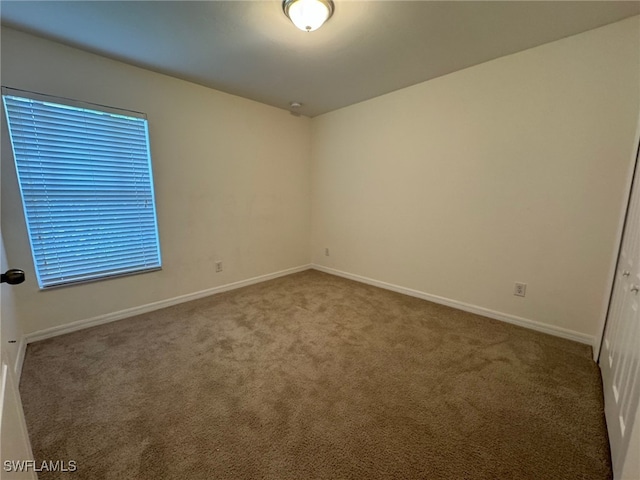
(96, 274)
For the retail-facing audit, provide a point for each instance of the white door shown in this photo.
(620, 354)
(14, 439)
(14, 443)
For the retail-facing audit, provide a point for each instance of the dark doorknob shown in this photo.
(12, 277)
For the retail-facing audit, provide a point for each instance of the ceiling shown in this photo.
(250, 49)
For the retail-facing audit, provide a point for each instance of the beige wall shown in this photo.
(231, 181)
(513, 170)
(509, 171)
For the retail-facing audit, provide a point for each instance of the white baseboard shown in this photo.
(504, 317)
(130, 312)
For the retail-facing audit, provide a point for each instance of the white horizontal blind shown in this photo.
(87, 189)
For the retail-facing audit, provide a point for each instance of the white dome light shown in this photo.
(308, 15)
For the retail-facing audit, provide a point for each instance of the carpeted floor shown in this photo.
(312, 376)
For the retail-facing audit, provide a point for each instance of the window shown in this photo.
(87, 188)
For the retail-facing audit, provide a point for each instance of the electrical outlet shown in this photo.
(218, 267)
(326, 252)
(520, 289)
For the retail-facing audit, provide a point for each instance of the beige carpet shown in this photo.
(312, 376)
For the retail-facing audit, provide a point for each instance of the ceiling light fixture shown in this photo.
(308, 15)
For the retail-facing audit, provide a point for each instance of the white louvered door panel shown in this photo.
(620, 355)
